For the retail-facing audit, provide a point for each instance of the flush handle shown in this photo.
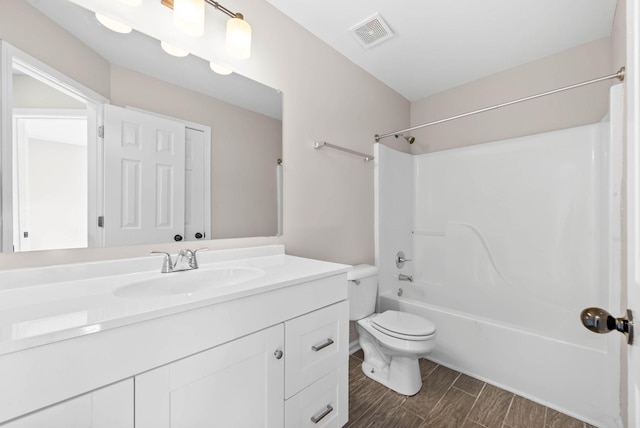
(600, 321)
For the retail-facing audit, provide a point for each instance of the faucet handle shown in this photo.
(167, 264)
(194, 262)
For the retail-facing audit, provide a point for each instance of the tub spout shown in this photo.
(403, 277)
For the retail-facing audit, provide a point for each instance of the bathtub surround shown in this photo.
(510, 240)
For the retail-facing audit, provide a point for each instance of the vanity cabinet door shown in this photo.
(238, 384)
(109, 407)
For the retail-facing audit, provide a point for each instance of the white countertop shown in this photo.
(45, 305)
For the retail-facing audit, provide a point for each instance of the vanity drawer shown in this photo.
(316, 344)
(321, 404)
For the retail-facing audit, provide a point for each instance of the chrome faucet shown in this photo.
(403, 277)
(186, 260)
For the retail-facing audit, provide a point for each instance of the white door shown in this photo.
(238, 384)
(633, 259)
(144, 178)
(194, 221)
(632, 82)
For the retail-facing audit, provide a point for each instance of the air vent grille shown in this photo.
(371, 31)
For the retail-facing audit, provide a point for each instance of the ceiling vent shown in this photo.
(371, 31)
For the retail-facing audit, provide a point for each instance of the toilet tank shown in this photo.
(363, 288)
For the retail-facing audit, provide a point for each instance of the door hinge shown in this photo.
(101, 221)
(101, 131)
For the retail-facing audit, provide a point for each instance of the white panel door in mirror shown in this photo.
(144, 180)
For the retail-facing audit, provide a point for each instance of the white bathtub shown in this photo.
(560, 375)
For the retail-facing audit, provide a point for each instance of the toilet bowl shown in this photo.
(392, 341)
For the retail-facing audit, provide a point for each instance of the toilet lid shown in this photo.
(403, 325)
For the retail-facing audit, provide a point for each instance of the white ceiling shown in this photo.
(440, 44)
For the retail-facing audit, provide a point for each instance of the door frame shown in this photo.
(11, 57)
(25, 114)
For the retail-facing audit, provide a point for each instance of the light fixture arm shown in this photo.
(223, 9)
(217, 5)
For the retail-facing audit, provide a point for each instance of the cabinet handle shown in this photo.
(322, 345)
(278, 354)
(325, 412)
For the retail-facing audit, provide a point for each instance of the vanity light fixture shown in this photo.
(173, 49)
(113, 25)
(188, 16)
(238, 37)
(220, 69)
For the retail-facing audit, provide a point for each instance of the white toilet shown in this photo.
(392, 341)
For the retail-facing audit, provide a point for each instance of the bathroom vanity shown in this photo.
(254, 337)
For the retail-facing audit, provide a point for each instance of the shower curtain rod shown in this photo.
(619, 75)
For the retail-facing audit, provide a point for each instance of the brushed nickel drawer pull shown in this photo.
(322, 345)
(325, 412)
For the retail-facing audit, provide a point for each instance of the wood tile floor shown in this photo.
(447, 399)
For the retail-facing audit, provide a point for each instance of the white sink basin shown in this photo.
(188, 282)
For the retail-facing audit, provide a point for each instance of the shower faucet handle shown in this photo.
(400, 260)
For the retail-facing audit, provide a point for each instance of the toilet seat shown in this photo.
(403, 325)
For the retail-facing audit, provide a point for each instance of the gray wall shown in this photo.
(567, 109)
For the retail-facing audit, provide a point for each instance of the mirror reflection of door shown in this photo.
(157, 175)
(50, 174)
(144, 178)
(56, 192)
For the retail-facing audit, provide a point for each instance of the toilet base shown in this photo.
(402, 375)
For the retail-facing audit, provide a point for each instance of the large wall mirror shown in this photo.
(75, 172)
